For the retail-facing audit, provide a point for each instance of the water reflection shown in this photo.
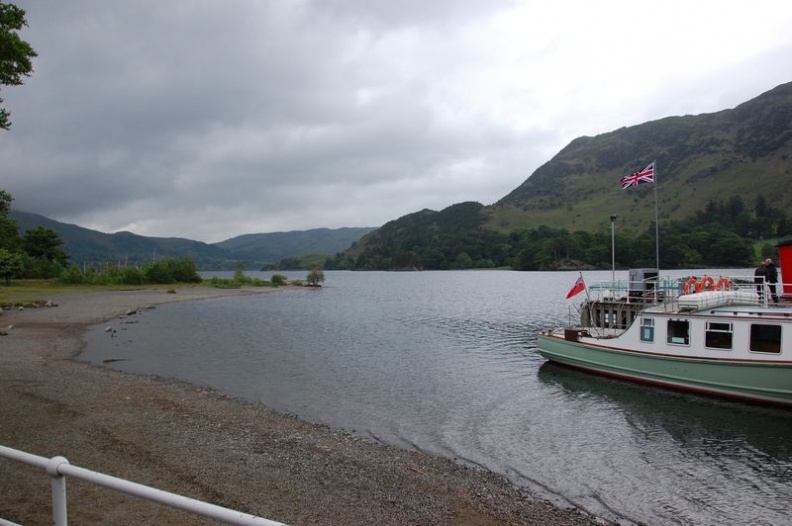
(715, 427)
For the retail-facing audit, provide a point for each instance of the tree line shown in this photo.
(724, 234)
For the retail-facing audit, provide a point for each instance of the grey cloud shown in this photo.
(210, 119)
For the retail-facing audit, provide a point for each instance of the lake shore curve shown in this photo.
(196, 442)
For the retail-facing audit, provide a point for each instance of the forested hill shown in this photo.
(730, 170)
(275, 246)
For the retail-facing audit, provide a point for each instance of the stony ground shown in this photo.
(185, 439)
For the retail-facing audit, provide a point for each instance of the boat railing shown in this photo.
(654, 290)
(615, 305)
(58, 468)
(667, 290)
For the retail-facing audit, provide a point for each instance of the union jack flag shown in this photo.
(644, 176)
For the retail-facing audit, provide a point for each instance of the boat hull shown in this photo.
(755, 381)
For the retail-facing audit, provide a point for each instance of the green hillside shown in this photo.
(745, 151)
(275, 246)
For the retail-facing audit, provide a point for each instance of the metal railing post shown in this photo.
(60, 514)
(58, 468)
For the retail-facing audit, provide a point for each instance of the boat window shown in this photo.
(718, 335)
(679, 332)
(647, 329)
(765, 338)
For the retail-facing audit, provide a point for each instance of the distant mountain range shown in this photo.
(84, 245)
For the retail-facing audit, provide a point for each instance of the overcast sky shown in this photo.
(212, 119)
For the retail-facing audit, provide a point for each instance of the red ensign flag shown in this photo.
(577, 288)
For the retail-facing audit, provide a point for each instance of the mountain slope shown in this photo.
(84, 245)
(745, 151)
(420, 229)
(275, 246)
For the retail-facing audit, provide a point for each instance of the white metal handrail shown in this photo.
(58, 468)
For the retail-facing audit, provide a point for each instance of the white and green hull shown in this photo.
(763, 381)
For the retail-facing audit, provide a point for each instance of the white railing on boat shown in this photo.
(58, 468)
(667, 290)
(613, 306)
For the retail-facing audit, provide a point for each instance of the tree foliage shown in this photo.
(11, 265)
(171, 271)
(5, 203)
(9, 231)
(315, 277)
(16, 55)
(44, 243)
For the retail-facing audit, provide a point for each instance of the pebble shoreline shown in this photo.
(195, 442)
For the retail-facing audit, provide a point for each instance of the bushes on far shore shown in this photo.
(240, 279)
(237, 281)
(164, 272)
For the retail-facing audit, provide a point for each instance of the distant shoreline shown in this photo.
(193, 441)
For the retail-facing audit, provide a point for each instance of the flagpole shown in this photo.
(647, 175)
(613, 247)
(657, 223)
(585, 287)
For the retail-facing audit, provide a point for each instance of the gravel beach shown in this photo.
(188, 440)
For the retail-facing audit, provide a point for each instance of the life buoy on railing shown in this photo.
(690, 286)
(723, 284)
(706, 283)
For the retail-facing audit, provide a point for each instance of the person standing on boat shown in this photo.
(771, 274)
(760, 279)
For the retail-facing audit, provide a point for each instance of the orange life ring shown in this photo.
(723, 284)
(706, 283)
(690, 286)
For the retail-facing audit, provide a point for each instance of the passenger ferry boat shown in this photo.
(721, 336)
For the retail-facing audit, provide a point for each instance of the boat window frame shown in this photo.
(765, 345)
(672, 337)
(719, 335)
(647, 329)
